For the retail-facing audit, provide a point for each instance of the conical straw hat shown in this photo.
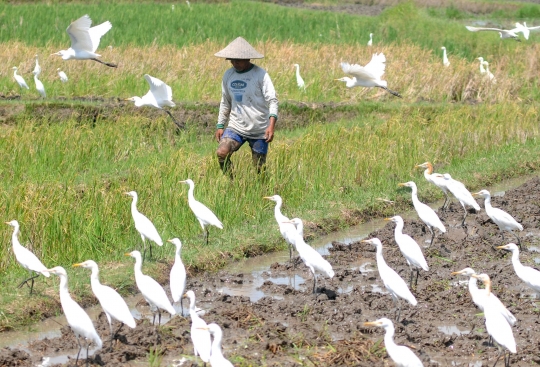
(239, 49)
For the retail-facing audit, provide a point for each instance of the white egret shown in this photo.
(528, 275)
(502, 219)
(159, 96)
(370, 42)
(313, 260)
(39, 86)
(143, 225)
(504, 33)
(367, 76)
(496, 325)
(482, 69)
(111, 302)
(37, 68)
(440, 182)
(151, 290)
(391, 280)
(85, 40)
(77, 318)
(409, 248)
(489, 74)
(444, 57)
(62, 75)
(461, 193)
(19, 79)
(287, 230)
(425, 213)
(178, 275)
(400, 354)
(524, 29)
(26, 258)
(200, 336)
(299, 80)
(204, 215)
(216, 355)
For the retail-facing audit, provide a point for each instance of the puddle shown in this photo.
(452, 330)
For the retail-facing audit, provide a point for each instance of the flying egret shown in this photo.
(19, 79)
(62, 75)
(426, 214)
(111, 302)
(151, 290)
(502, 219)
(85, 40)
(524, 29)
(287, 230)
(143, 225)
(313, 260)
(489, 74)
(504, 33)
(216, 355)
(367, 76)
(391, 280)
(204, 215)
(39, 86)
(461, 193)
(26, 258)
(400, 354)
(435, 180)
(496, 325)
(178, 275)
(77, 318)
(200, 336)
(299, 79)
(444, 57)
(159, 96)
(409, 248)
(370, 42)
(37, 68)
(482, 69)
(528, 275)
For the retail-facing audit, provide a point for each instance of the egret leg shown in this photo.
(154, 319)
(392, 92)
(518, 241)
(174, 120)
(432, 236)
(150, 249)
(446, 202)
(465, 216)
(314, 281)
(499, 356)
(80, 348)
(113, 336)
(411, 277)
(106, 63)
(144, 247)
(206, 235)
(30, 279)
(416, 280)
(87, 346)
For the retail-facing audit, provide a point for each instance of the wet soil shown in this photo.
(290, 326)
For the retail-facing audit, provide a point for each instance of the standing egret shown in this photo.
(287, 230)
(112, 303)
(461, 193)
(524, 29)
(482, 69)
(26, 258)
(204, 215)
(37, 68)
(504, 33)
(159, 96)
(85, 40)
(62, 75)
(19, 79)
(299, 80)
(367, 76)
(370, 42)
(400, 354)
(39, 86)
(409, 248)
(440, 182)
(391, 280)
(77, 318)
(151, 290)
(313, 260)
(425, 213)
(216, 355)
(489, 74)
(528, 275)
(143, 225)
(502, 219)
(444, 57)
(177, 276)
(200, 336)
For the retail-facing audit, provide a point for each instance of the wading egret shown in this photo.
(77, 318)
(113, 304)
(85, 40)
(178, 275)
(370, 42)
(435, 180)
(482, 69)
(143, 225)
(391, 280)
(367, 76)
(528, 275)
(288, 230)
(200, 336)
(39, 86)
(313, 260)
(19, 79)
(409, 248)
(461, 193)
(299, 80)
(425, 213)
(26, 258)
(62, 75)
(504, 33)
(37, 68)
(159, 96)
(524, 29)
(496, 325)
(444, 57)
(502, 219)
(204, 215)
(489, 74)
(151, 290)
(216, 355)
(401, 355)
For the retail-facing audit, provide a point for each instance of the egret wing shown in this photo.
(476, 29)
(114, 305)
(377, 65)
(78, 32)
(160, 90)
(97, 32)
(360, 72)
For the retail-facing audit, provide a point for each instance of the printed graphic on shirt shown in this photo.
(239, 89)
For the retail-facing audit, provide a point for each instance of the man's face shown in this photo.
(240, 65)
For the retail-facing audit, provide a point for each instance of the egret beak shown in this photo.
(129, 99)
(183, 181)
(7, 223)
(456, 273)
(372, 323)
(475, 194)
(76, 265)
(401, 184)
(203, 328)
(503, 247)
(267, 197)
(127, 254)
(169, 241)
(387, 218)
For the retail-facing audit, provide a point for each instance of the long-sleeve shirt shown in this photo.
(248, 99)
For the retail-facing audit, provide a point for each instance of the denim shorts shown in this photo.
(257, 145)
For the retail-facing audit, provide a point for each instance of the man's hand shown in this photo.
(269, 132)
(219, 133)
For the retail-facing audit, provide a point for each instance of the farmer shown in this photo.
(248, 108)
